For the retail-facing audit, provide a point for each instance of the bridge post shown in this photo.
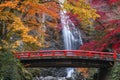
(103, 73)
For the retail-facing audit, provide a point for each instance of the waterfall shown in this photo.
(71, 36)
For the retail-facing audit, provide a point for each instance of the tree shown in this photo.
(11, 69)
(22, 24)
(106, 36)
(106, 31)
(81, 9)
(26, 20)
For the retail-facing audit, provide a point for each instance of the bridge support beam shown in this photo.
(103, 73)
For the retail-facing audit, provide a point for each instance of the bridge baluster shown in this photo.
(53, 53)
(65, 53)
(28, 54)
(18, 56)
(115, 55)
(40, 54)
(77, 53)
(89, 54)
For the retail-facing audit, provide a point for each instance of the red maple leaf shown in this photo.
(112, 1)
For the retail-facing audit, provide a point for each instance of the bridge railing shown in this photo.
(66, 53)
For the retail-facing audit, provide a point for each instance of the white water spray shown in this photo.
(71, 36)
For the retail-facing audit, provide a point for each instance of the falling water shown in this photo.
(71, 36)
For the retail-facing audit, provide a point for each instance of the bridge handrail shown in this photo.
(67, 51)
(54, 53)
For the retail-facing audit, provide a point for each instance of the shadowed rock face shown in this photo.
(55, 72)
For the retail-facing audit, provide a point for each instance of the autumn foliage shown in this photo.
(82, 10)
(107, 27)
(23, 22)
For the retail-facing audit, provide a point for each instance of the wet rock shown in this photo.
(50, 78)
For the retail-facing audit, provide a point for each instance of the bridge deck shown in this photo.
(66, 58)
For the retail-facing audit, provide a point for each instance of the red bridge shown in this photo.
(66, 58)
(69, 58)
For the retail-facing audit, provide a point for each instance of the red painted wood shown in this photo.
(65, 53)
(115, 56)
(28, 54)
